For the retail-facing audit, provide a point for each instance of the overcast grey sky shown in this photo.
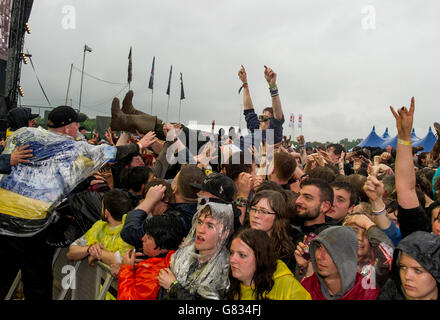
(341, 64)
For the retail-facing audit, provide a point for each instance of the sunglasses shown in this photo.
(263, 118)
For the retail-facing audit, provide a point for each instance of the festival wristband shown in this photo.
(378, 213)
(404, 142)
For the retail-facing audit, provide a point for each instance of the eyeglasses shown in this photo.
(260, 210)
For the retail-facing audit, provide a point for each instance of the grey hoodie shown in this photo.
(342, 245)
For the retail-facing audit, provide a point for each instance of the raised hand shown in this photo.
(270, 75)
(156, 193)
(148, 139)
(109, 136)
(298, 254)
(404, 120)
(360, 220)
(245, 184)
(242, 74)
(301, 140)
(373, 188)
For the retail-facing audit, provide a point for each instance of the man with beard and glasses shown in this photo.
(103, 242)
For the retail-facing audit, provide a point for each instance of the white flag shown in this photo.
(300, 120)
(292, 120)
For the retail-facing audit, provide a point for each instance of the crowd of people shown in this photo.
(219, 216)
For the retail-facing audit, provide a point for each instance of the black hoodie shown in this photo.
(422, 246)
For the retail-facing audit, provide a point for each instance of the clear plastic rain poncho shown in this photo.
(31, 191)
(208, 279)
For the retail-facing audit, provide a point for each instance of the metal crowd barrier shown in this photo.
(90, 283)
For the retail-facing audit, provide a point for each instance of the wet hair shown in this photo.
(265, 264)
(280, 237)
(389, 183)
(134, 178)
(189, 174)
(156, 182)
(117, 202)
(325, 190)
(428, 173)
(322, 172)
(291, 197)
(284, 165)
(269, 185)
(421, 156)
(347, 187)
(269, 109)
(423, 183)
(234, 170)
(338, 148)
(431, 208)
(166, 230)
(357, 181)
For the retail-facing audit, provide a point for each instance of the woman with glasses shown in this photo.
(255, 273)
(268, 212)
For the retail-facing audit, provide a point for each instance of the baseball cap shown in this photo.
(19, 116)
(62, 116)
(219, 185)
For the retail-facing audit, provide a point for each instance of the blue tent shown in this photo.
(386, 135)
(413, 136)
(427, 142)
(393, 141)
(372, 140)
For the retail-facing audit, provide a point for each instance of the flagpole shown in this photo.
(151, 111)
(180, 105)
(168, 106)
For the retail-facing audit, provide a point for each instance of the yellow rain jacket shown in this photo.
(110, 239)
(286, 287)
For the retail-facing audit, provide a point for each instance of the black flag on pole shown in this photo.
(182, 93)
(129, 67)
(150, 84)
(169, 80)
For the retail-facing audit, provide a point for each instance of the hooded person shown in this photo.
(199, 269)
(334, 255)
(415, 273)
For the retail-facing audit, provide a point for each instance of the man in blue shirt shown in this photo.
(272, 117)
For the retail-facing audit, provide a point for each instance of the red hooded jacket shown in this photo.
(140, 282)
(357, 292)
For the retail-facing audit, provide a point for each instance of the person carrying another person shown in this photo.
(272, 117)
(32, 190)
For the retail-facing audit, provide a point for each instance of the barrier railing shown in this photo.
(76, 280)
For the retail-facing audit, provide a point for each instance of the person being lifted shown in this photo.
(272, 117)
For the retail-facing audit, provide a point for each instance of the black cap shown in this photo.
(62, 116)
(219, 185)
(19, 117)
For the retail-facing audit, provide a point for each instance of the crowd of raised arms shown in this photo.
(222, 216)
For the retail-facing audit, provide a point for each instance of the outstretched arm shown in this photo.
(404, 167)
(247, 101)
(271, 78)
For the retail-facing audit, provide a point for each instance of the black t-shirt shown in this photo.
(411, 220)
